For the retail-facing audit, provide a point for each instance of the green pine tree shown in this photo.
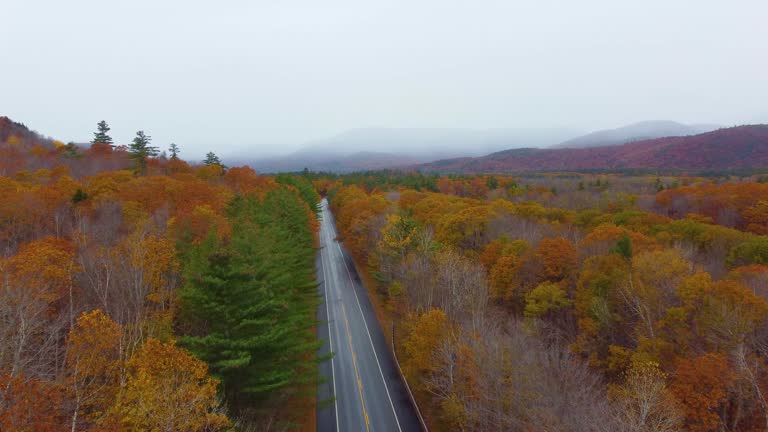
(174, 150)
(101, 136)
(212, 159)
(304, 186)
(250, 304)
(140, 150)
(79, 196)
(623, 247)
(71, 150)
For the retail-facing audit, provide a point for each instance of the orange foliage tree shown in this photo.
(700, 385)
(558, 258)
(31, 404)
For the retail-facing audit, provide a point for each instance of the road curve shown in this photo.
(370, 395)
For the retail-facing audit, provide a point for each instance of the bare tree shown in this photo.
(508, 379)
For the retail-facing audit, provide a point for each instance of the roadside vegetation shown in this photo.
(143, 293)
(573, 302)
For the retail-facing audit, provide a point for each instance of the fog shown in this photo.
(267, 77)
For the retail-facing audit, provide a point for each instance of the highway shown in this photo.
(362, 374)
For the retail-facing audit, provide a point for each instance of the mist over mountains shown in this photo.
(379, 147)
(740, 147)
(636, 132)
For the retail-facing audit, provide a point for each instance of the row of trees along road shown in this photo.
(248, 305)
(164, 297)
(518, 316)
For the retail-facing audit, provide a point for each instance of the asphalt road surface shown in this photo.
(370, 395)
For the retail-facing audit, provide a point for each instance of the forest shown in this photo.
(566, 301)
(140, 292)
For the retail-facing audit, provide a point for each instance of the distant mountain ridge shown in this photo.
(428, 141)
(731, 148)
(402, 146)
(396, 147)
(341, 163)
(636, 132)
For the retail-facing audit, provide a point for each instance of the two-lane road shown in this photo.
(369, 393)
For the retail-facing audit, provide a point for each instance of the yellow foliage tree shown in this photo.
(93, 363)
(545, 298)
(426, 334)
(45, 266)
(465, 228)
(652, 287)
(13, 140)
(724, 312)
(209, 172)
(397, 234)
(167, 389)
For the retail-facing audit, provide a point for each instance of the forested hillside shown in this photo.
(569, 302)
(743, 147)
(142, 293)
(645, 130)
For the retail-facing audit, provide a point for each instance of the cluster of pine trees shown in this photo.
(248, 306)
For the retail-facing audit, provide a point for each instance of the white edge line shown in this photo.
(330, 336)
(349, 275)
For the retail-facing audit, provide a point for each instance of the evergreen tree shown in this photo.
(212, 159)
(79, 196)
(140, 149)
(623, 247)
(71, 150)
(174, 149)
(492, 183)
(304, 186)
(101, 136)
(250, 303)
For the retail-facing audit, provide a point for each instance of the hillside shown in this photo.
(732, 148)
(635, 132)
(22, 134)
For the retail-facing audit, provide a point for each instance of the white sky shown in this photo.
(269, 75)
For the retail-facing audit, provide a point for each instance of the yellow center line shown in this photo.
(354, 363)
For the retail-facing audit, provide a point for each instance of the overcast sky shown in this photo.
(269, 75)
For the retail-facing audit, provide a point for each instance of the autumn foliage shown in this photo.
(93, 256)
(645, 299)
(729, 148)
(152, 294)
